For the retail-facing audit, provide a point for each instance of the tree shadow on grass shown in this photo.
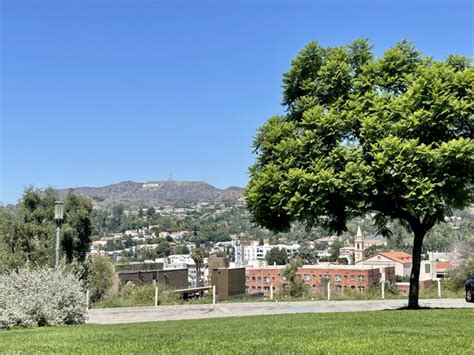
(422, 308)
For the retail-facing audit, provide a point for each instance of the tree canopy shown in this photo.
(276, 256)
(392, 135)
(27, 236)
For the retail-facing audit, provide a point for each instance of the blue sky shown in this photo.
(97, 92)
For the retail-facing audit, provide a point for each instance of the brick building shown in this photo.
(356, 277)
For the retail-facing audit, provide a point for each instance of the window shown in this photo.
(361, 288)
(361, 278)
(307, 277)
(338, 288)
(266, 279)
(338, 278)
(353, 277)
(427, 268)
(259, 278)
(253, 287)
(253, 278)
(266, 288)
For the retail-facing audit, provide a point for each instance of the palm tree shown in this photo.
(198, 256)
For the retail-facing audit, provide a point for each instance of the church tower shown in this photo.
(359, 246)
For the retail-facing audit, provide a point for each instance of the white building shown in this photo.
(403, 263)
(245, 254)
(359, 246)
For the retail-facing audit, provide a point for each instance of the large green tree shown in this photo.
(28, 236)
(393, 135)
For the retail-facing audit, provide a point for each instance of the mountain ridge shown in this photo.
(156, 192)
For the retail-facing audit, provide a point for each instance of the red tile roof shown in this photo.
(398, 256)
(444, 265)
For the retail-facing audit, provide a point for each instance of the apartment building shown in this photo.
(253, 251)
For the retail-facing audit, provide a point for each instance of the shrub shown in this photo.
(458, 276)
(133, 295)
(40, 297)
(392, 289)
(297, 287)
(100, 277)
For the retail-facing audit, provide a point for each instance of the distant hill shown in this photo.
(157, 192)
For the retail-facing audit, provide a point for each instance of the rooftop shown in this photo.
(322, 267)
(398, 256)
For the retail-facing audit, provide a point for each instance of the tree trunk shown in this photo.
(198, 276)
(415, 269)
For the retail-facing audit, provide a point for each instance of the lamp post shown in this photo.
(58, 218)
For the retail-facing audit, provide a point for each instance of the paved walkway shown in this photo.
(163, 313)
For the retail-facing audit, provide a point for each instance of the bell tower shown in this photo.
(359, 246)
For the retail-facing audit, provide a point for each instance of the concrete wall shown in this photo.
(228, 282)
(404, 287)
(173, 278)
(176, 279)
(427, 270)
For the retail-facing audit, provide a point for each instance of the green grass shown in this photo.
(424, 331)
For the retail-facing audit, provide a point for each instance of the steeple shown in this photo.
(359, 246)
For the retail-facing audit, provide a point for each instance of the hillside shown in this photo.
(157, 192)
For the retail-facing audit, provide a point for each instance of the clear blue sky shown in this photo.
(97, 92)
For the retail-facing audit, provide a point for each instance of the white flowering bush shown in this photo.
(40, 297)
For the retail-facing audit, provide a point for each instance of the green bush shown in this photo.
(133, 296)
(458, 276)
(100, 277)
(40, 297)
(392, 289)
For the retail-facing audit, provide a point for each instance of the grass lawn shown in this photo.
(425, 331)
